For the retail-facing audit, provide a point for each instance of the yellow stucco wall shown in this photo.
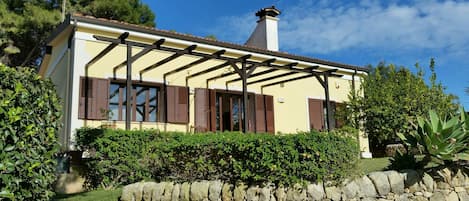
(290, 116)
(290, 99)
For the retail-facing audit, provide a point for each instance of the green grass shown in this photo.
(373, 164)
(102, 195)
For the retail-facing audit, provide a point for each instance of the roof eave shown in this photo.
(149, 30)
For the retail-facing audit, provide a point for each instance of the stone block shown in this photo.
(396, 181)
(428, 182)
(334, 193)
(350, 190)
(315, 192)
(463, 196)
(296, 193)
(199, 191)
(214, 191)
(265, 193)
(453, 196)
(380, 180)
(239, 193)
(367, 189)
(280, 194)
(227, 192)
(252, 193)
(132, 192)
(458, 179)
(184, 193)
(152, 191)
(438, 196)
(411, 177)
(175, 194)
(168, 191)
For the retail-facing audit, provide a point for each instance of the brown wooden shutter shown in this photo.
(178, 104)
(94, 97)
(316, 114)
(260, 113)
(202, 110)
(269, 113)
(213, 110)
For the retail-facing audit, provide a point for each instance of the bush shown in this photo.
(394, 96)
(254, 158)
(403, 160)
(29, 120)
(118, 156)
(129, 156)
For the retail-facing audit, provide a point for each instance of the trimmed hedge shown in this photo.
(124, 157)
(118, 156)
(29, 120)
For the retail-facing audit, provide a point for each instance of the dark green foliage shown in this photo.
(393, 98)
(118, 156)
(29, 121)
(25, 25)
(402, 161)
(251, 158)
(131, 11)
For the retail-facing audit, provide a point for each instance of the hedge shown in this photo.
(123, 157)
(29, 120)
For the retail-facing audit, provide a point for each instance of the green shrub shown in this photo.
(129, 156)
(437, 138)
(254, 158)
(29, 120)
(402, 161)
(118, 156)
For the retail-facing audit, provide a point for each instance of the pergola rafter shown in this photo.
(146, 50)
(242, 66)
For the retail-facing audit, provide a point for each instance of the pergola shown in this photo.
(242, 66)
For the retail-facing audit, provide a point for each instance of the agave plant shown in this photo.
(446, 140)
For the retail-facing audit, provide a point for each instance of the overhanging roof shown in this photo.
(195, 39)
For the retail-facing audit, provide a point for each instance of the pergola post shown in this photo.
(245, 96)
(328, 101)
(128, 92)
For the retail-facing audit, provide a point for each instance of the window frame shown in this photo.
(135, 83)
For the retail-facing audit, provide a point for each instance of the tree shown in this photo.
(131, 11)
(393, 98)
(27, 24)
(30, 117)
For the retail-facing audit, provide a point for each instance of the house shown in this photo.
(186, 83)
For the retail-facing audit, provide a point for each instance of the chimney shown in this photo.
(266, 33)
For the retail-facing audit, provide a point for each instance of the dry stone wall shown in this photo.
(442, 185)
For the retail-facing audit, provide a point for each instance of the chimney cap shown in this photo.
(268, 11)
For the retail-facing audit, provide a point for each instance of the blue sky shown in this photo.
(353, 32)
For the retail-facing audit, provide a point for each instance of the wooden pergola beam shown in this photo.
(156, 45)
(119, 40)
(215, 55)
(168, 59)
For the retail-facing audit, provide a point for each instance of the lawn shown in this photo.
(365, 166)
(102, 195)
(373, 164)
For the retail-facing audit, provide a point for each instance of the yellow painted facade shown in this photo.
(290, 99)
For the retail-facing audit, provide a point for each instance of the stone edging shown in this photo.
(384, 186)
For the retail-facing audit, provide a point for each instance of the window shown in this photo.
(222, 110)
(144, 102)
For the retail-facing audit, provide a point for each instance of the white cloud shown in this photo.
(327, 26)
